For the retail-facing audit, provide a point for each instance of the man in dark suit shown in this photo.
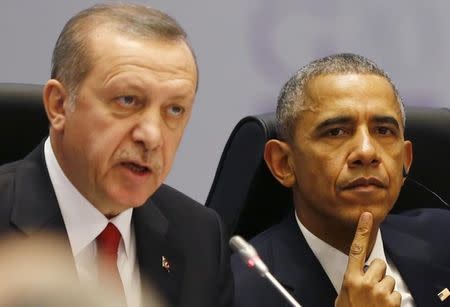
(123, 83)
(343, 153)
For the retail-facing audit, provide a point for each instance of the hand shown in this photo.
(366, 288)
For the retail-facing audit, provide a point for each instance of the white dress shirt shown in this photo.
(84, 223)
(334, 262)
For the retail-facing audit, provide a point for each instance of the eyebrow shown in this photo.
(386, 120)
(342, 120)
(339, 120)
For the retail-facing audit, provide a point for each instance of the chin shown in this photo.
(378, 213)
(130, 199)
(127, 194)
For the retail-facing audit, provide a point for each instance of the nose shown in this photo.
(147, 132)
(364, 152)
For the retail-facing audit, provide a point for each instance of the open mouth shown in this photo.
(136, 168)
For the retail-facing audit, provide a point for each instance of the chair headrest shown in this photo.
(23, 121)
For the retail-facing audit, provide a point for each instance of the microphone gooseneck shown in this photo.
(430, 191)
(251, 258)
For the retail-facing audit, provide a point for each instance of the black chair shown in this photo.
(250, 200)
(23, 121)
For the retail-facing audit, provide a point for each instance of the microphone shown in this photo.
(430, 191)
(250, 256)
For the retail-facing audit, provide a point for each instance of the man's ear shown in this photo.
(55, 97)
(278, 157)
(408, 158)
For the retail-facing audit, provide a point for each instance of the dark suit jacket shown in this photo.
(418, 243)
(169, 224)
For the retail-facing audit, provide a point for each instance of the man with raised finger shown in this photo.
(342, 152)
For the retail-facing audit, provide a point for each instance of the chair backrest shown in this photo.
(23, 121)
(250, 200)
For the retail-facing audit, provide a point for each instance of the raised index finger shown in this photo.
(358, 249)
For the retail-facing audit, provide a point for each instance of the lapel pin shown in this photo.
(444, 294)
(165, 264)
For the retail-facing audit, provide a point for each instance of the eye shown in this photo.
(126, 100)
(385, 131)
(335, 132)
(175, 110)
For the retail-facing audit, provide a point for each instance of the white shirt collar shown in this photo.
(82, 220)
(333, 261)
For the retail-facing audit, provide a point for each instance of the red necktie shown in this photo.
(107, 247)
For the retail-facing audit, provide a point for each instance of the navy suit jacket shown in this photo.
(417, 242)
(170, 224)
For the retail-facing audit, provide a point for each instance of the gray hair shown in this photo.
(71, 60)
(291, 101)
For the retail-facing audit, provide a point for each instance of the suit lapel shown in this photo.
(160, 262)
(298, 269)
(35, 207)
(414, 260)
